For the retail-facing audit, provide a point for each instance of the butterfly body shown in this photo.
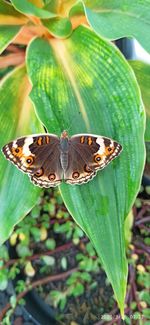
(49, 160)
(64, 148)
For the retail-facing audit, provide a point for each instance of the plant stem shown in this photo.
(144, 247)
(35, 284)
(37, 256)
(143, 220)
(141, 212)
(12, 59)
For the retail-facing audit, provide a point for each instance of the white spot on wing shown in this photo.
(23, 168)
(100, 141)
(26, 150)
(111, 143)
(14, 144)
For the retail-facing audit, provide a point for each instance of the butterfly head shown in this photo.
(64, 134)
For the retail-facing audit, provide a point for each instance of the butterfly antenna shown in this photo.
(45, 129)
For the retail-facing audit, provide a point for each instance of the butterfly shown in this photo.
(50, 160)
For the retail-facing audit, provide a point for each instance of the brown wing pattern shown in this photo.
(87, 155)
(38, 156)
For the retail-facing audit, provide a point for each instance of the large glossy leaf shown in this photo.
(58, 27)
(114, 19)
(17, 118)
(9, 16)
(142, 72)
(29, 8)
(7, 33)
(60, 7)
(83, 84)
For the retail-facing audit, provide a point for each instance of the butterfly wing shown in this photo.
(88, 154)
(38, 156)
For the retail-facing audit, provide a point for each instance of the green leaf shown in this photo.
(9, 16)
(36, 233)
(3, 280)
(73, 278)
(48, 260)
(64, 263)
(78, 289)
(58, 27)
(52, 5)
(13, 301)
(7, 34)
(144, 280)
(142, 72)
(4, 253)
(50, 243)
(17, 118)
(83, 84)
(87, 264)
(144, 295)
(115, 19)
(90, 249)
(26, 7)
(128, 228)
(23, 250)
(62, 303)
(86, 277)
(62, 8)
(10, 23)
(77, 9)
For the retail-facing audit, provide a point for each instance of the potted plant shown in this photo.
(57, 276)
(76, 78)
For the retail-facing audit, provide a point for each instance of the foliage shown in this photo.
(142, 72)
(116, 18)
(46, 261)
(27, 238)
(76, 79)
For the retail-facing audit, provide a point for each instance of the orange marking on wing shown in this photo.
(39, 141)
(98, 158)
(47, 139)
(89, 141)
(29, 160)
(109, 150)
(82, 139)
(17, 152)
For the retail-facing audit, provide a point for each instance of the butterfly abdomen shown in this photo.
(64, 160)
(64, 146)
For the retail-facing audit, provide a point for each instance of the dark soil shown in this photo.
(90, 307)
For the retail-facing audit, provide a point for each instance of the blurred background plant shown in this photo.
(49, 253)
